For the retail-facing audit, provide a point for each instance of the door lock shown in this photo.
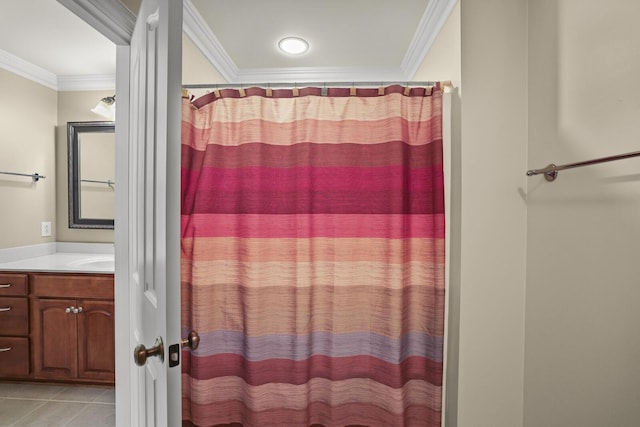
(192, 341)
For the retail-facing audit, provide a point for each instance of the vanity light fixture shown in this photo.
(293, 45)
(106, 108)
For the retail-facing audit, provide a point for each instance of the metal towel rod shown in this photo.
(95, 181)
(35, 176)
(551, 171)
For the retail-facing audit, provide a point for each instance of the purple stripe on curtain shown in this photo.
(313, 258)
(300, 347)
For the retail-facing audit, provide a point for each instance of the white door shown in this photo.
(154, 211)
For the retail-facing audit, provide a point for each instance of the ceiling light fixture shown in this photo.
(293, 45)
(106, 108)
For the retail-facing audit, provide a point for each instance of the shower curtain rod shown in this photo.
(309, 84)
(551, 171)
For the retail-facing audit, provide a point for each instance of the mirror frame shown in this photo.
(74, 129)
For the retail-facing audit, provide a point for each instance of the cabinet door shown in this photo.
(96, 340)
(14, 357)
(54, 339)
(14, 316)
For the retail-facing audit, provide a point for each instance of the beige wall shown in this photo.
(548, 289)
(196, 69)
(482, 49)
(74, 107)
(33, 120)
(493, 212)
(27, 145)
(583, 281)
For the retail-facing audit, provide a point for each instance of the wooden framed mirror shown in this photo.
(91, 162)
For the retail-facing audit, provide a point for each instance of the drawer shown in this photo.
(14, 316)
(13, 284)
(93, 286)
(14, 357)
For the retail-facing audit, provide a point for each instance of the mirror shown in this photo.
(91, 150)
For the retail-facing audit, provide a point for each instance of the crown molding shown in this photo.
(46, 78)
(87, 82)
(432, 21)
(27, 70)
(109, 17)
(434, 17)
(195, 27)
(319, 74)
(116, 22)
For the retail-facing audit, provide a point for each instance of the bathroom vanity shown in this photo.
(57, 324)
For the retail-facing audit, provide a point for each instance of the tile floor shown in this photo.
(56, 405)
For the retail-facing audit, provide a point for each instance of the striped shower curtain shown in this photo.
(313, 257)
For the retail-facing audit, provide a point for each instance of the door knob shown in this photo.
(192, 340)
(141, 353)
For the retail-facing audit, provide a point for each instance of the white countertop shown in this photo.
(64, 262)
(66, 259)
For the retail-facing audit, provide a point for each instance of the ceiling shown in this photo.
(350, 40)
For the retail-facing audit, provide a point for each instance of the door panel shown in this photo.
(54, 336)
(154, 205)
(96, 340)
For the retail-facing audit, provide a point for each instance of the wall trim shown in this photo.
(432, 21)
(319, 74)
(201, 35)
(27, 70)
(100, 15)
(87, 82)
(110, 18)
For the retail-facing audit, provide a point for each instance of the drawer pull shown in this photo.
(5, 349)
(6, 285)
(5, 309)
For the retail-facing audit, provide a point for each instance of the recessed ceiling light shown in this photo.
(293, 45)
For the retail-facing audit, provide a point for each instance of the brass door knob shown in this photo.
(192, 340)
(141, 353)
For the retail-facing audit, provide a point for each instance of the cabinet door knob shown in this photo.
(69, 309)
(77, 310)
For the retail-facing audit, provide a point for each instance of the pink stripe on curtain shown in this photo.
(313, 258)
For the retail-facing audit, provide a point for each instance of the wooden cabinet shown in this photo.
(57, 326)
(14, 325)
(72, 327)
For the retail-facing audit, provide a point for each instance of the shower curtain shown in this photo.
(313, 257)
